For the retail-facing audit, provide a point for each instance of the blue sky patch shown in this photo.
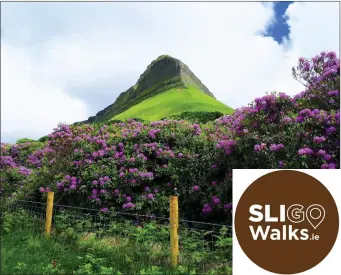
(279, 29)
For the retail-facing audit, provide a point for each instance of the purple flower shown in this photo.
(228, 206)
(319, 139)
(256, 148)
(327, 157)
(333, 93)
(128, 199)
(73, 187)
(195, 188)
(299, 119)
(276, 147)
(331, 166)
(95, 182)
(321, 152)
(207, 209)
(150, 196)
(216, 201)
(305, 151)
(330, 130)
(130, 205)
(287, 120)
(324, 166)
(105, 210)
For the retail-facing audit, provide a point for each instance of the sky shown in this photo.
(63, 62)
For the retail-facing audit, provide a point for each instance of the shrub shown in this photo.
(24, 140)
(134, 166)
(197, 117)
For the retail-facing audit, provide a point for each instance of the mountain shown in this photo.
(167, 87)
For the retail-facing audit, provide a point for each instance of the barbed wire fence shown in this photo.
(132, 241)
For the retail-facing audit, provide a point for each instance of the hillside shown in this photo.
(172, 102)
(165, 75)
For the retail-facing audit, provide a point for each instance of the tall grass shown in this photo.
(79, 246)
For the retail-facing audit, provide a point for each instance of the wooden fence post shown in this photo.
(174, 238)
(49, 210)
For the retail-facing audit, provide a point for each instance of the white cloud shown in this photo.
(218, 41)
(28, 105)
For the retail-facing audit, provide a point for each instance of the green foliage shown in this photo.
(20, 267)
(197, 117)
(153, 270)
(134, 96)
(24, 140)
(53, 269)
(43, 139)
(92, 265)
(12, 221)
(172, 102)
(122, 248)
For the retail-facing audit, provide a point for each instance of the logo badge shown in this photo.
(286, 222)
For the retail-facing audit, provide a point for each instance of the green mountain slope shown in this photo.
(172, 102)
(163, 76)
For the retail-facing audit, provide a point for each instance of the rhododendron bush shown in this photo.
(135, 166)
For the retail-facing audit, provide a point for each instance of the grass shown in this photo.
(24, 252)
(119, 249)
(172, 102)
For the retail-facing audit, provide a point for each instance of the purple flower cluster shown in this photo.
(68, 183)
(128, 205)
(228, 206)
(334, 93)
(44, 189)
(24, 171)
(215, 200)
(259, 147)
(305, 151)
(195, 188)
(207, 209)
(153, 132)
(227, 145)
(319, 139)
(7, 161)
(276, 147)
(328, 166)
(150, 196)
